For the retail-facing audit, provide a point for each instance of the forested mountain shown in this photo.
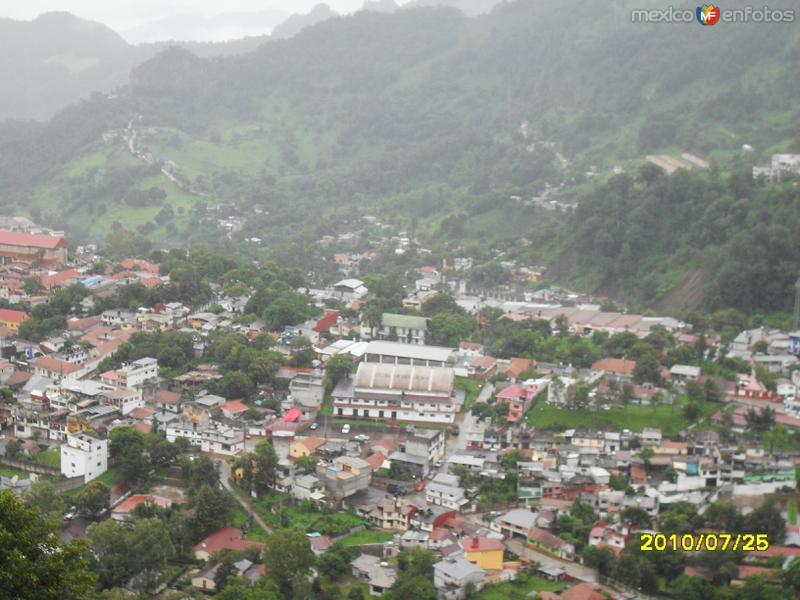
(436, 121)
(58, 59)
(296, 23)
(470, 8)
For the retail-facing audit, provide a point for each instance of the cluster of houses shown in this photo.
(780, 166)
(63, 399)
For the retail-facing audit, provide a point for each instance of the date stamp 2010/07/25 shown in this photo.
(704, 542)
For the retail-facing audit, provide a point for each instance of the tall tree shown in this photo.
(34, 563)
(93, 498)
(44, 497)
(288, 554)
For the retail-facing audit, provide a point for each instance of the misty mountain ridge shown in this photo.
(445, 125)
(296, 23)
(58, 58)
(221, 27)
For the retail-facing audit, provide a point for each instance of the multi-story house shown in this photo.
(84, 455)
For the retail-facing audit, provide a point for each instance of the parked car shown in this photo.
(314, 426)
(346, 428)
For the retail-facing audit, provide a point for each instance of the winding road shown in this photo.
(225, 479)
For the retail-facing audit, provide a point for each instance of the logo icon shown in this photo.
(708, 14)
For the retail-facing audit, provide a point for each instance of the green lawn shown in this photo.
(472, 387)
(49, 458)
(669, 418)
(256, 533)
(367, 536)
(519, 590)
(110, 477)
(791, 510)
(301, 517)
(6, 472)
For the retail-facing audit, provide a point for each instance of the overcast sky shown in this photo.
(126, 15)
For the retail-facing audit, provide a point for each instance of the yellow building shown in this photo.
(304, 447)
(12, 318)
(487, 553)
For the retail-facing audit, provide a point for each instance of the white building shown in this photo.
(216, 440)
(409, 329)
(452, 575)
(780, 164)
(84, 455)
(138, 372)
(125, 399)
(223, 440)
(398, 393)
(444, 490)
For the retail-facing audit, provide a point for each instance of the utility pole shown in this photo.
(796, 323)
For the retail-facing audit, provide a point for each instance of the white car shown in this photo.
(346, 428)
(314, 426)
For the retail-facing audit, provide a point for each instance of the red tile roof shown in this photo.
(16, 238)
(312, 443)
(142, 412)
(228, 538)
(18, 378)
(375, 460)
(141, 427)
(12, 316)
(136, 264)
(517, 366)
(748, 571)
(126, 506)
(546, 538)
(327, 321)
(619, 366)
(320, 543)
(55, 365)
(512, 392)
(587, 591)
(481, 544)
(74, 323)
(59, 279)
(166, 397)
(234, 406)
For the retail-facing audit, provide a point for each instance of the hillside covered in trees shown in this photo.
(434, 120)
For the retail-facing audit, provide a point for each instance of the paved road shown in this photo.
(576, 570)
(466, 422)
(225, 476)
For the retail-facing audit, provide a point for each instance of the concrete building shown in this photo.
(308, 487)
(429, 443)
(376, 573)
(138, 372)
(408, 354)
(444, 490)
(452, 575)
(345, 476)
(217, 440)
(126, 400)
(408, 329)
(45, 250)
(84, 455)
(397, 392)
